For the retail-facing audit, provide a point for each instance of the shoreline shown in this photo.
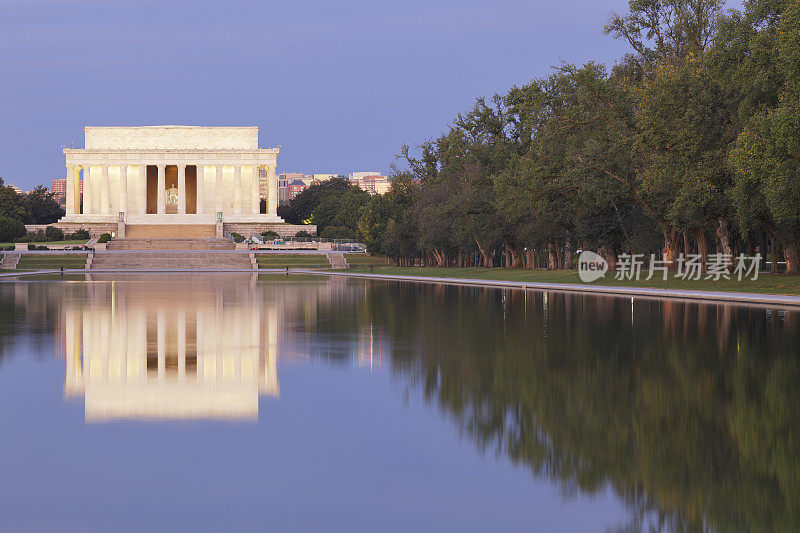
(760, 299)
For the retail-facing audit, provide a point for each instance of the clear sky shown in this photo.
(339, 85)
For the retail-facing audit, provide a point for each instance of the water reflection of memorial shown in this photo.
(177, 350)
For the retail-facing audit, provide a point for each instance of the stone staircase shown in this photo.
(171, 244)
(337, 260)
(10, 260)
(154, 260)
(170, 231)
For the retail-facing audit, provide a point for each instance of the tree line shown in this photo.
(689, 143)
(39, 206)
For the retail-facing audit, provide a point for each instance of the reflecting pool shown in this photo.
(235, 402)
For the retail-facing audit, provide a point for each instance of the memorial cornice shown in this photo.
(188, 156)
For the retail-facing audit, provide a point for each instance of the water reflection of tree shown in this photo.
(689, 411)
(29, 311)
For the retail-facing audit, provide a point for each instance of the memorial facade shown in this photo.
(170, 175)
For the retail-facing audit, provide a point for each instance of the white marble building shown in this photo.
(164, 175)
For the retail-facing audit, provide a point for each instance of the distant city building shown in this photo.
(16, 189)
(359, 175)
(372, 182)
(295, 187)
(284, 180)
(59, 188)
(290, 184)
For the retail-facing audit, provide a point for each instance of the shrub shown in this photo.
(11, 229)
(53, 233)
(303, 234)
(39, 236)
(237, 237)
(105, 237)
(269, 235)
(79, 235)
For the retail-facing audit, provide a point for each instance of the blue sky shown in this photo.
(340, 86)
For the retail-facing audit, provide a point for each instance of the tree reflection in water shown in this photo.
(689, 411)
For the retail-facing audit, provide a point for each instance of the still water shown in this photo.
(227, 402)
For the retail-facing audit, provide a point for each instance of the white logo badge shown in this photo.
(591, 267)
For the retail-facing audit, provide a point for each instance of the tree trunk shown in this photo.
(608, 254)
(487, 260)
(568, 255)
(559, 259)
(687, 249)
(670, 251)
(776, 251)
(723, 234)
(790, 254)
(552, 258)
(702, 247)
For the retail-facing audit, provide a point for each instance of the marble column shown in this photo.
(237, 189)
(161, 190)
(123, 189)
(141, 193)
(272, 190)
(255, 192)
(201, 189)
(181, 189)
(105, 191)
(88, 203)
(70, 207)
(218, 190)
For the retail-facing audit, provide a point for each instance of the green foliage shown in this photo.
(303, 234)
(270, 235)
(78, 235)
(237, 237)
(690, 143)
(10, 229)
(53, 233)
(12, 204)
(337, 232)
(334, 202)
(105, 237)
(41, 206)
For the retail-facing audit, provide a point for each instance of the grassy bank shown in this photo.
(292, 261)
(46, 243)
(51, 261)
(765, 284)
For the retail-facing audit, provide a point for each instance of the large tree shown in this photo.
(41, 206)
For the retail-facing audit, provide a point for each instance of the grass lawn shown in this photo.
(51, 261)
(67, 243)
(292, 261)
(358, 260)
(766, 283)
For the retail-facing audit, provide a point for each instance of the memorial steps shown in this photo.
(170, 231)
(171, 244)
(177, 260)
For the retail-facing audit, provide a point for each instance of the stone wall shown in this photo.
(95, 229)
(284, 230)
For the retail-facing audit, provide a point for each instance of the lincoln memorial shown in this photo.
(170, 176)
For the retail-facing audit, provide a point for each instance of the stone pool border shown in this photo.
(638, 292)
